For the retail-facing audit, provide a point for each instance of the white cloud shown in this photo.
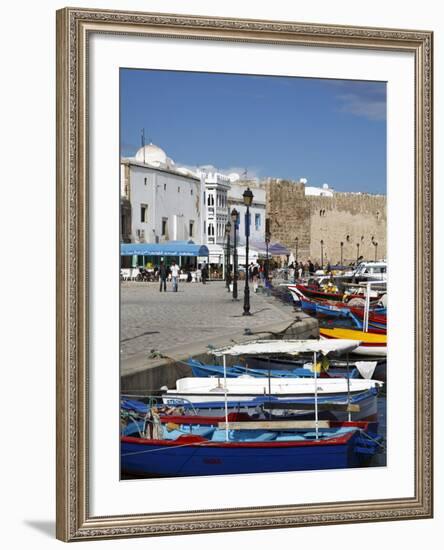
(373, 108)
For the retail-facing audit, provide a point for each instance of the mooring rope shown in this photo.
(195, 444)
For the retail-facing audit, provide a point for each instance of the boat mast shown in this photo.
(225, 396)
(348, 387)
(367, 307)
(316, 395)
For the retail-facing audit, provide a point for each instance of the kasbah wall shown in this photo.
(350, 218)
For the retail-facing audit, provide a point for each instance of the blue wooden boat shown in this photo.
(266, 407)
(344, 314)
(190, 449)
(200, 369)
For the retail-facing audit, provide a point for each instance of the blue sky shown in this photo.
(328, 131)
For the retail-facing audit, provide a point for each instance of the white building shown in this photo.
(217, 187)
(159, 200)
(324, 191)
(257, 209)
(162, 201)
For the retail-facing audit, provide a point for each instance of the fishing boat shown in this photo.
(249, 388)
(375, 369)
(341, 407)
(202, 370)
(185, 446)
(377, 318)
(247, 393)
(313, 292)
(370, 343)
(198, 449)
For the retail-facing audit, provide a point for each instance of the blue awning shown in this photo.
(178, 248)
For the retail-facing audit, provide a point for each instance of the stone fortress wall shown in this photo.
(351, 218)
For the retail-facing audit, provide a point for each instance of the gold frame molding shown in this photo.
(73, 519)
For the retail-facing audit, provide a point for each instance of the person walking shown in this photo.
(204, 273)
(175, 271)
(255, 275)
(163, 274)
(300, 270)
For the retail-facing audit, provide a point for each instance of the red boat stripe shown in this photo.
(340, 440)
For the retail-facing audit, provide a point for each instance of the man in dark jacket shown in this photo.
(163, 274)
(204, 273)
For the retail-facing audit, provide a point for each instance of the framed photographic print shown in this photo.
(244, 276)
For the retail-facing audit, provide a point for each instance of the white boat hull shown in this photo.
(246, 388)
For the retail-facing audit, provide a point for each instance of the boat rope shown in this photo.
(194, 444)
(374, 440)
(136, 420)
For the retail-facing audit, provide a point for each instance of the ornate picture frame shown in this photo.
(74, 28)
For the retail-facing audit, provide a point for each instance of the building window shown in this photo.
(164, 227)
(164, 186)
(191, 191)
(257, 221)
(211, 230)
(205, 227)
(191, 227)
(210, 200)
(145, 181)
(178, 189)
(143, 213)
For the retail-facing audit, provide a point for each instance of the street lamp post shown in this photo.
(357, 254)
(234, 214)
(267, 242)
(248, 199)
(342, 249)
(322, 254)
(228, 271)
(296, 258)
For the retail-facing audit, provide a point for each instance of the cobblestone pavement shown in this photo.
(153, 320)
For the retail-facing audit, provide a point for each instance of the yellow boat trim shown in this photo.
(350, 334)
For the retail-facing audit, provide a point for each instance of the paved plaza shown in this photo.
(184, 323)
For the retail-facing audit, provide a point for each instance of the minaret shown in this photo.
(143, 144)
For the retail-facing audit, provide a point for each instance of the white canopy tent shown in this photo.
(290, 347)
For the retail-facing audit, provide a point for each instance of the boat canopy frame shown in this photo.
(288, 347)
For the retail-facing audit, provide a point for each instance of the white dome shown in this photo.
(151, 154)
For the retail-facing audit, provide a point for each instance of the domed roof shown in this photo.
(152, 154)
